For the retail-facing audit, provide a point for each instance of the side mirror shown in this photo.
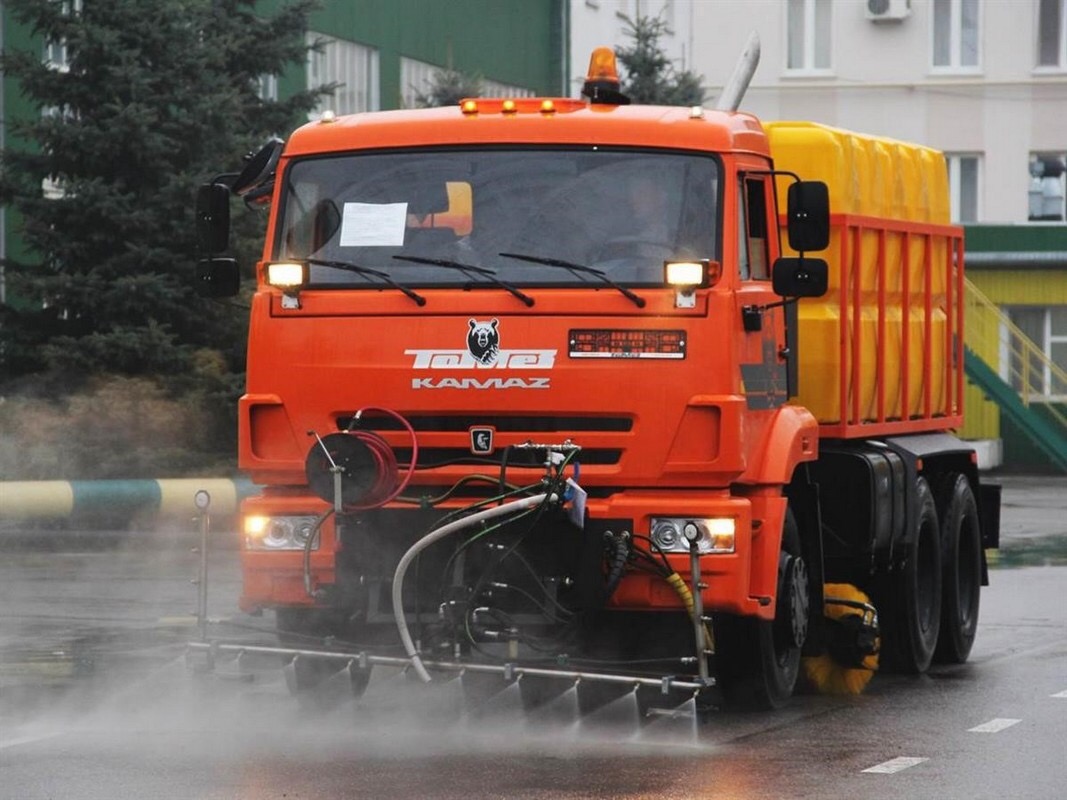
(808, 215)
(213, 217)
(260, 168)
(217, 277)
(800, 277)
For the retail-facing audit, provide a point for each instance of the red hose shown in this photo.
(385, 487)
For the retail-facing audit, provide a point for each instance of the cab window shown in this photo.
(752, 237)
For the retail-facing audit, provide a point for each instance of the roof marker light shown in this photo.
(548, 107)
(508, 107)
(469, 107)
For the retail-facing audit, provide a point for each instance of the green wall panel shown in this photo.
(518, 42)
(1016, 238)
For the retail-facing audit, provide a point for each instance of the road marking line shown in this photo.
(895, 765)
(29, 739)
(994, 725)
(1062, 694)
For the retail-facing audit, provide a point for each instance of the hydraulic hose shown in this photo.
(385, 488)
(310, 543)
(426, 541)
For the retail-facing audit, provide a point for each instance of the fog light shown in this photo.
(665, 535)
(710, 534)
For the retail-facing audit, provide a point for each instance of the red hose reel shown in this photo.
(369, 475)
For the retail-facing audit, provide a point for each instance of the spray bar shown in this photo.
(665, 684)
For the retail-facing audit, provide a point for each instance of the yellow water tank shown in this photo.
(883, 270)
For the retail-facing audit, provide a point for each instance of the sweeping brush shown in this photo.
(851, 656)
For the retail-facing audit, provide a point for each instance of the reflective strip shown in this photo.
(176, 495)
(26, 500)
(35, 499)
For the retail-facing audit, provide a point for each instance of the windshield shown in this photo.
(621, 212)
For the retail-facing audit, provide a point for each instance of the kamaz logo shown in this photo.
(483, 352)
(478, 383)
(464, 359)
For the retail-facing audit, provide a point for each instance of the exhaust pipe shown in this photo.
(737, 85)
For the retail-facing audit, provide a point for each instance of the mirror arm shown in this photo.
(225, 178)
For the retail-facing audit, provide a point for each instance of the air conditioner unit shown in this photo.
(888, 10)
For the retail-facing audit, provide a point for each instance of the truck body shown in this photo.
(459, 307)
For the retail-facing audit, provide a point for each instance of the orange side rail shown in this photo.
(938, 303)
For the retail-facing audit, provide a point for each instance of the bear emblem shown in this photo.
(483, 341)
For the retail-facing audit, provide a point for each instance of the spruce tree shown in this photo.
(153, 97)
(156, 96)
(447, 87)
(650, 77)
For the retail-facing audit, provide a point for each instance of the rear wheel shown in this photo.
(961, 572)
(909, 599)
(758, 661)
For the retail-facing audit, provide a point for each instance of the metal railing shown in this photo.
(1023, 365)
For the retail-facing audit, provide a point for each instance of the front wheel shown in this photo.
(758, 661)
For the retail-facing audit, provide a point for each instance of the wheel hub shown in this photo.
(793, 601)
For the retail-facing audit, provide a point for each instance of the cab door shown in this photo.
(763, 353)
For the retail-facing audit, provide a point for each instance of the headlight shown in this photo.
(287, 275)
(278, 533)
(711, 534)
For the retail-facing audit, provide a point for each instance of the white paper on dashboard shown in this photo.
(374, 224)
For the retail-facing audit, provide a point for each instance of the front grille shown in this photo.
(454, 446)
(503, 424)
(446, 456)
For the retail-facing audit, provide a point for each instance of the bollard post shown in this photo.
(202, 500)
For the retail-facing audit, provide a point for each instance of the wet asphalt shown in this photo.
(97, 700)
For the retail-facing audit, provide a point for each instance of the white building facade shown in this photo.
(985, 81)
(596, 23)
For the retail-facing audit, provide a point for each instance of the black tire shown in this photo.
(756, 662)
(961, 569)
(911, 596)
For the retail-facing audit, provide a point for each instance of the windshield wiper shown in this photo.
(578, 269)
(470, 269)
(348, 266)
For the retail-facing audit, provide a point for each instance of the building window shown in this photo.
(350, 68)
(498, 89)
(808, 35)
(1041, 378)
(956, 34)
(963, 186)
(56, 54)
(267, 88)
(1047, 186)
(1052, 34)
(416, 77)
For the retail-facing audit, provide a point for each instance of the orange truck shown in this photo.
(555, 387)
